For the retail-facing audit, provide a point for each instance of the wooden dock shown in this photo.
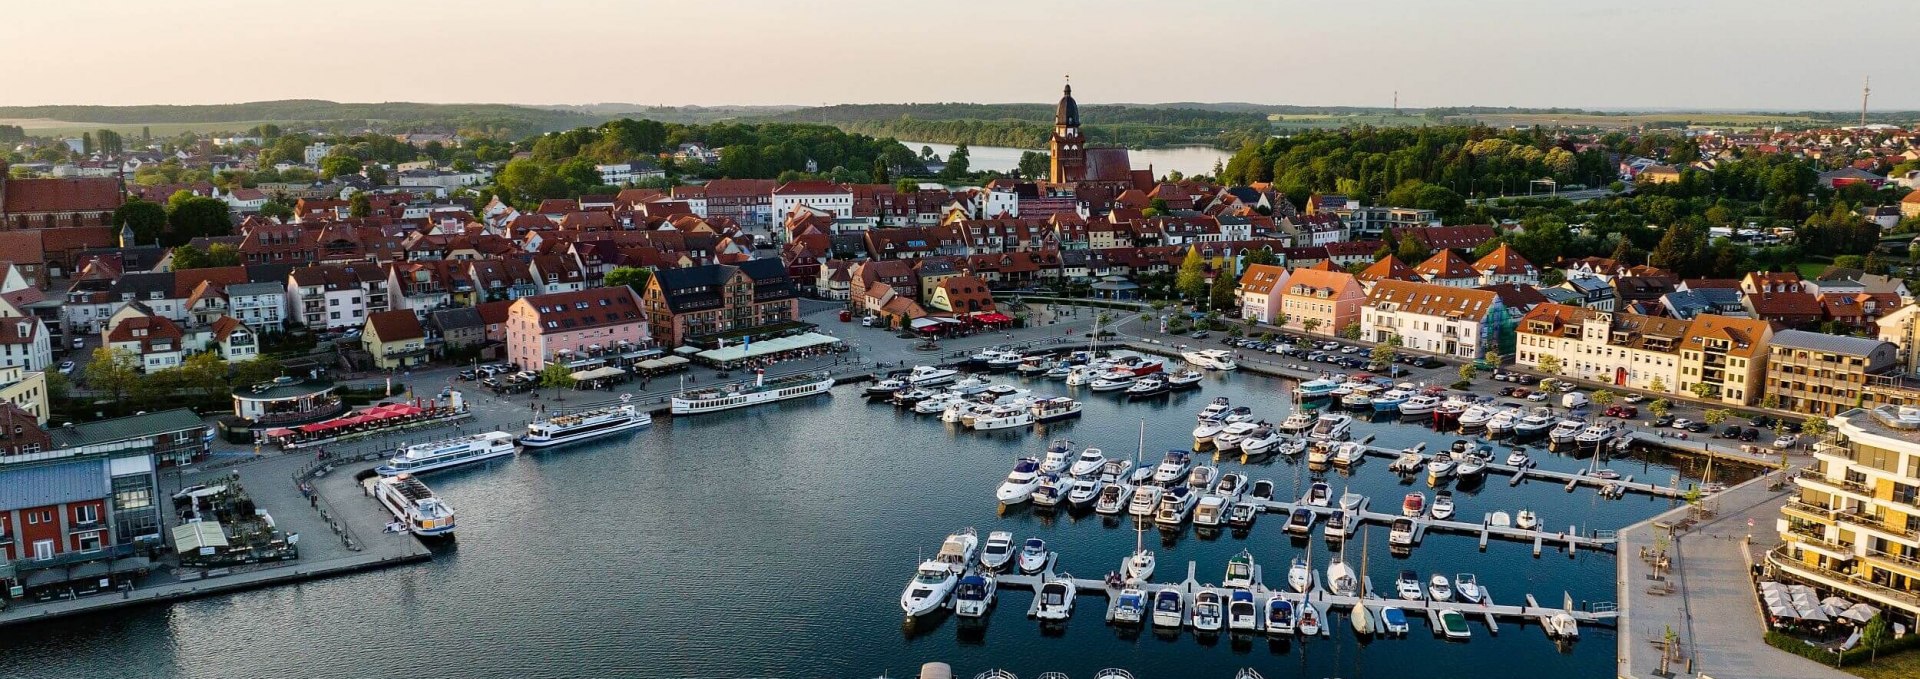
(1625, 484)
(1572, 538)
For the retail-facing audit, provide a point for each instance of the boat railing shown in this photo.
(1603, 607)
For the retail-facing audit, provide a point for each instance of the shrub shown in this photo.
(1821, 654)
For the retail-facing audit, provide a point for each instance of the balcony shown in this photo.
(1808, 511)
(1844, 581)
(1840, 487)
(85, 526)
(1831, 550)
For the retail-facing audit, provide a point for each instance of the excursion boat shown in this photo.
(1279, 615)
(932, 583)
(1185, 379)
(1088, 463)
(998, 552)
(448, 453)
(1211, 359)
(1408, 586)
(1145, 500)
(1146, 387)
(1442, 505)
(1210, 512)
(745, 394)
(1169, 610)
(1400, 533)
(1055, 599)
(1173, 468)
(1318, 388)
(1033, 556)
(1130, 607)
(1217, 410)
(1054, 409)
(1113, 499)
(973, 596)
(1535, 423)
(1331, 427)
(1020, 482)
(584, 425)
(1419, 404)
(1004, 417)
(415, 505)
(1239, 571)
(1243, 615)
(1209, 611)
(1414, 505)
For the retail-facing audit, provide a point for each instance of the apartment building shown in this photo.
(1854, 528)
(1628, 350)
(1729, 355)
(1432, 318)
(1822, 374)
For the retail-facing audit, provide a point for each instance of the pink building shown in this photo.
(1325, 300)
(573, 324)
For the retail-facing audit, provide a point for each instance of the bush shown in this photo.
(1462, 385)
(1820, 654)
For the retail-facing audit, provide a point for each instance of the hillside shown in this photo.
(1027, 125)
(499, 119)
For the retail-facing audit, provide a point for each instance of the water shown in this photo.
(1190, 160)
(775, 542)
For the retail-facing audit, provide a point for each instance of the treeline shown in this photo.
(1028, 125)
(1026, 135)
(490, 119)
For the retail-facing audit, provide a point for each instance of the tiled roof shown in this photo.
(1504, 261)
(89, 194)
(1429, 299)
(1259, 279)
(1819, 341)
(1445, 265)
(396, 325)
(583, 309)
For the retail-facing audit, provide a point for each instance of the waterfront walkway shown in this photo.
(1706, 596)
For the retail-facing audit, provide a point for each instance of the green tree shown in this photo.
(1035, 165)
(1658, 386)
(1310, 325)
(1412, 251)
(1260, 256)
(188, 257)
(1468, 372)
(1701, 390)
(1715, 415)
(1659, 407)
(149, 220)
(1351, 332)
(1222, 297)
(1382, 353)
(1550, 364)
(1770, 401)
(1191, 281)
(114, 371)
(1602, 397)
(376, 175)
(337, 165)
(360, 206)
(1873, 635)
(275, 209)
(197, 217)
(1815, 427)
(255, 371)
(630, 276)
(556, 377)
(958, 165)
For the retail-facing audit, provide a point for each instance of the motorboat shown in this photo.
(958, 549)
(1320, 453)
(1264, 439)
(1033, 366)
(1139, 365)
(1279, 616)
(1309, 623)
(415, 505)
(1300, 521)
(1502, 423)
(1051, 491)
(1467, 588)
(1082, 376)
(1393, 620)
(1004, 361)
(1243, 615)
(1453, 623)
(1169, 610)
(912, 396)
(1231, 486)
(1341, 579)
(1300, 575)
(1526, 520)
(1594, 435)
(998, 551)
(1408, 586)
(1184, 379)
(1202, 477)
(1419, 404)
(1216, 410)
(1562, 625)
(448, 453)
(1113, 498)
(1059, 456)
(937, 403)
(1088, 463)
(1230, 436)
(1006, 416)
(1349, 453)
(1055, 599)
(1239, 571)
(583, 425)
(1054, 409)
(1130, 606)
(1262, 491)
(1360, 399)
(1059, 372)
(1116, 470)
(973, 596)
(1318, 494)
(1535, 423)
(1471, 465)
(930, 376)
(932, 583)
(1475, 417)
(1242, 515)
(1140, 565)
(1209, 611)
(1350, 500)
(1519, 459)
(1441, 465)
(1239, 414)
(1147, 387)
(1297, 423)
(1173, 468)
(1211, 511)
(1414, 505)
(1175, 505)
(1113, 381)
(1020, 482)
(1604, 474)
(1565, 431)
(1442, 508)
(959, 410)
(1341, 524)
(1211, 359)
(1145, 499)
(1390, 401)
(1002, 394)
(1499, 520)
(1317, 388)
(1400, 532)
(1204, 432)
(1409, 461)
(1331, 427)
(1033, 555)
(1083, 490)
(1291, 447)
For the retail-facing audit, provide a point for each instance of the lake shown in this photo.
(1191, 160)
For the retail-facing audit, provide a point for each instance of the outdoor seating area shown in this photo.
(104, 573)
(1832, 621)
(220, 526)
(776, 349)
(365, 420)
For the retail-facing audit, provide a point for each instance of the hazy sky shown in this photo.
(1793, 54)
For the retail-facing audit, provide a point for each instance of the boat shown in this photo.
(1204, 432)
(1442, 508)
(1083, 490)
(1059, 456)
(1002, 394)
(1279, 616)
(1341, 579)
(1139, 565)
(1215, 410)
(1020, 482)
(1051, 491)
(1297, 423)
(1604, 474)
(1415, 504)
(1113, 381)
(1209, 611)
(1034, 366)
(1239, 414)
(1211, 511)
(583, 425)
(1300, 575)
(1390, 401)
(1518, 459)
(1419, 404)
(1471, 465)
(1202, 477)
(1211, 359)
(1147, 387)
(958, 548)
(1526, 520)
(1130, 606)
(1115, 470)
(1088, 463)
(1502, 422)
(1594, 435)
(1173, 468)
(1393, 620)
(1441, 465)
(1454, 624)
(1349, 453)
(1175, 505)
(937, 403)
(1318, 494)
(1499, 520)
(1317, 388)
(1007, 416)
(1054, 409)
(1113, 498)
(1409, 461)
(1082, 375)
(1535, 423)
(1300, 521)
(1566, 431)
(1169, 610)
(960, 410)
(1262, 491)
(1242, 515)
(1002, 361)
(1231, 486)
(1184, 379)
(1033, 555)
(1319, 454)
(1309, 623)
(1292, 447)
(932, 583)
(998, 550)
(1239, 571)
(1243, 615)
(1145, 500)
(929, 376)
(1358, 400)
(448, 453)
(1230, 436)
(746, 394)
(1059, 372)
(1475, 417)
(1467, 588)
(1264, 439)
(1055, 599)
(1350, 500)
(912, 396)
(1341, 524)
(973, 596)
(1439, 588)
(1408, 586)
(1400, 534)
(1331, 427)
(1139, 365)
(413, 504)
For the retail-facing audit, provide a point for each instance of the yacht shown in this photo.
(1230, 436)
(1279, 615)
(1033, 556)
(1054, 409)
(1262, 440)
(1341, 579)
(1083, 490)
(1231, 486)
(1243, 615)
(1390, 401)
(1442, 505)
(929, 588)
(1209, 612)
(1202, 477)
(1113, 498)
(1467, 588)
(1051, 491)
(1116, 470)
(1563, 625)
(1146, 387)
(1309, 623)
(1360, 399)
(1055, 599)
(1210, 512)
(1393, 620)
(1216, 410)
(1204, 432)
(1341, 524)
(1145, 500)
(1004, 417)
(1475, 417)
(908, 398)
(1173, 468)
(1185, 379)
(1453, 623)
(958, 548)
(447, 453)
(1175, 505)
(1211, 359)
(1350, 500)
(1292, 447)
(1319, 494)
(1415, 504)
(1519, 459)
(1297, 423)
(1409, 461)
(1088, 463)
(936, 404)
(1319, 388)
(1140, 565)
(1300, 575)
(1262, 491)
(1059, 372)
(1130, 607)
(1242, 515)
(1419, 404)
(1004, 360)
(1002, 394)
(1525, 519)
(1239, 414)
(1059, 456)
(1594, 435)
(1439, 588)
(1408, 586)
(1349, 453)
(1320, 454)
(960, 410)
(1499, 520)
(1300, 522)
(1113, 381)
(1471, 465)
(1401, 532)
(413, 504)
(1239, 571)
(1447, 414)
(1331, 427)
(1034, 366)
(973, 596)
(745, 394)
(998, 551)
(1502, 422)
(583, 425)
(1534, 424)
(1441, 465)
(1169, 610)
(1565, 431)
(1020, 482)
(1082, 375)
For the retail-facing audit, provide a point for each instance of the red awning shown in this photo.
(992, 317)
(279, 432)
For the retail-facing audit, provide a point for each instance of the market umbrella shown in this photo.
(1860, 612)
(1834, 605)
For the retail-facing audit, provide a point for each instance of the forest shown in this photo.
(1028, 125)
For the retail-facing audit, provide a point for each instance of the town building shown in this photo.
(1854, 528)
(1261, 288)
(1825, 375)
(1321, 301)
(706, 305)
(1448, 268)
(56, 203)
(1505, 265)
(1728, 355)
(1629, 350)
(1432, 318)
(156, 341)
(395, 339)
(544, 328)
(25, 389)
(336, 296)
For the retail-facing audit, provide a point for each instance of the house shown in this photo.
(232, 340)
(1448, 268)
(1658, 174)
(1320, 301)
(1628, 350)
(156, 341)
(259, 305)
(458, 328)
(336, 296)
(1439, 319)
(1505, 265)
(709, 303)
(556, 273)
(1260, 291)
(1728, 356)
(1389, 268)
(25, 389)
(1846, 176)
(1789, 309)
(961, 296)
(1825, 375)
(1592, 292)
(1910, 205)
(395, 339)
(25, 341)
(56, 203)
(544, 328)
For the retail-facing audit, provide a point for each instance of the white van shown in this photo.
(868, 321)
(1574, 399)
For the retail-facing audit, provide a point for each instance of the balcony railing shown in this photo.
(85, 526)
(1781, 559)
(1902, 559)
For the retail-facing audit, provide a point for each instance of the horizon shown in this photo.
(1496, 53)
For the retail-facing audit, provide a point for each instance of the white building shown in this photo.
(315, 152)
(24, 340)
(619, 174)
(821, 195)
(1630, 350)
(259, 305)
(1435, 319)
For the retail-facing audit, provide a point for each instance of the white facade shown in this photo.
(35, 352)
(618, 174)
(262, 309)
(839, 203)
(1001, 203)
(315, 152)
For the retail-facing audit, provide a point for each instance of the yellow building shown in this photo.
(1728, 355)
(1854, 528)
(395, 339)
(25, 389)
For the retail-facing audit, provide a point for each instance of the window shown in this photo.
(86, 514)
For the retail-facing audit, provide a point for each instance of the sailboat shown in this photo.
(1140, 565)
(1340, 577)
(1361, 618)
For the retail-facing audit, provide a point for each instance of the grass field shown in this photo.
(1312, 121)
(42, 127)
(1906, 665)
(1584, 120)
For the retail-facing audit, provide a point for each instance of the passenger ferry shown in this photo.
(446, 453)
(583, 425)
(744, 394)
(424, 513)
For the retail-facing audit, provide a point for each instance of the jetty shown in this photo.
(1572, 480)
(1572, 538)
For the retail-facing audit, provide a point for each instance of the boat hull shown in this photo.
(640, 422)
(681, 406)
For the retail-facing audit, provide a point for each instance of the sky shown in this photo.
(1620, 54)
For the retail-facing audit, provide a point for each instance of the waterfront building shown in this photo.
(704, 305)
(1260, 292)
(1854, 528)
(1327, 300)
(285, 400)
(1728, 355)
(1432, 318)
(549, 327)
(1630, 350)
(1448, 268)
(1822, 374)
(395, 339)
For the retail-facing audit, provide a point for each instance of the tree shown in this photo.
(1351, 332)
(199, 216)
(957, 164)
(1260, 256)
(1659, 407)
(1222, 296)
(255, 371)
(1036, 165)
(1715, 415)
(1770, 401)
(276, 210)
(1412, 251)
(1468, 372)
(1623, 251)
(1310, 325)
(1701, 390)
(1191, 281)
(376, 175)
(1815, 427)
(360, 206)
(1657, 385)
(1602, 397)
(556, 376)
(630, 276)
(1550, 364)
(1382, 353)
(338, 164)
(1874, 634)
(149, 220)
(114, 371)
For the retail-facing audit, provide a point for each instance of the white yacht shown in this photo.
(1054, 409)
(973, 596)
(1534, 423)
(1051, 492)
(998, 552)
(1145, 500)
(1300, 575)
(929, 376)
(1140, 565)
(1519, 459)
(1331, 427)
(1393, 620)
(1230, 436)
(1441, 465)
(1083, 490)
(1297, 423)
(1408, 586)
(1020, 482)
(937, 403)
(1243, 615)
(583, 425)
(1089, 462)
(1566, 431)
(1349, 453)
(1082, 375)
(1169, 610)
(1503, 421)
(1231, 486)
(1350, 500)
(1291, 447)
(1113, 381)
(1004, 417)
(1467, 588)
(1175, 505)
(1400, 533)
(1475, 417)
(1320, 454)
(1594, 435)
(744, 394)
(1211, 359)
(1211, 511)
(1059, 456)
(929, 588)
(1471, 464)
(1442, 508)
(1054, 601)
(1439, 588)
(1319, 494)
(1033, 555)
(1173, 468)
(1263, 440)
(415, 505)
(1217, 410)
(1525, 519)
(446, 453)
(1201, 478)
(1113, 498)
(1184, 379)
(1419, 404)
(1209, 611)
(1204, 432)
(1309, 623)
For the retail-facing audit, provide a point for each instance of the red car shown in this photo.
(1625, 412)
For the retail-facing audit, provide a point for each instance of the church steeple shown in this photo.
(1068, 147)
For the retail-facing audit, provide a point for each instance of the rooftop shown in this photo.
(125, 428)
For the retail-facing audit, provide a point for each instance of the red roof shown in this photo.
(90, 194)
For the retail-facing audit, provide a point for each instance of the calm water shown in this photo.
(775, 542)
(1192, 160)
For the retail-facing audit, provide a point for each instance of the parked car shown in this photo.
(1538, 396)
(1625, 412)
(1793, 427)
(1787, 441)
(1731, 431)
(1634, 398)
(1761, 421)
(1681, 423)
(468, 375)
(66, 367)
(1663, 421)
(1504, 391)
(1522, 392)
(1199, 334)
(1696, 427)
(1427, 362)
(1750, 434)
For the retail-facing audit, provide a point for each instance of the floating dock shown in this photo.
(1620, 485)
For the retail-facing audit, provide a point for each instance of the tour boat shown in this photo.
(1209, 612)
(1441, 465)
(1297, 423)
(1231, 486)
(744, 394)
(1390, 401)
(1309, 623)
(583, 425)
(1393, 620)
(1471, 465)
(1414, 505)
(1279, 615)
(1175, 505)
(1113, 498)
(929, 588)
(1059, 456)
(1051, 491)
(1185, 379)
(1526, 520)
(1300, 522)
(1534, 423)
(1319, 388)
(1594, 435)
(1300, 575)
(415, 505)
(1242, 614)
(1400, 533)
(1454, 624)
(1518, 459)
(447, 453)
(1146, 387)
(1020, 483)
(1169, 610)
(1004, 417)
(1231, 436)
(1033, 555)
(1083, 490)
(1145, 500)
(1211, 359)
(1089, 462)
(998, 551)
(1341, 579)
(1442, 505)
(973, 596)
(1239, 570)
(1419, 404)
(1467, 588)
(1262, 440)
(1173, 468)
(1130, 606)
(1211, 511)
(1054, 409)
(1331, 427)
(1204, 432)
(1349, 453)
(1408, 586)
(1202, 477)
(1054, 601)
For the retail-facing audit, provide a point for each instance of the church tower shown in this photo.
(1068, 146)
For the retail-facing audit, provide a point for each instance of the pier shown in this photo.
(1572, 537)
(1572, 480)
